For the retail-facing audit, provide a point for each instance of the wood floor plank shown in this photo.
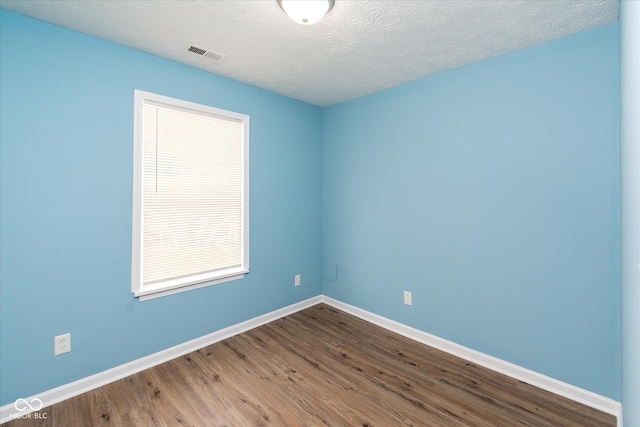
(402, 382)
(473, 380)
(318, 367)
(326, 393)
(354, 380)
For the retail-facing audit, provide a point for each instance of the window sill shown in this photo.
(151, 292)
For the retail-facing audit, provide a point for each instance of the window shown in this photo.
(190, 196)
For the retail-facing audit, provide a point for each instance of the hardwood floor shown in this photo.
(318, 367)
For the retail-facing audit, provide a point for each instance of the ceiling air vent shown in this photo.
(215, 56)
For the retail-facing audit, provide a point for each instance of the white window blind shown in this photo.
(193, 203)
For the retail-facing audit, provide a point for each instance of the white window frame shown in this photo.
(172, 286)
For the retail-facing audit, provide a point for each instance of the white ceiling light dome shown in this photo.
(306, 12)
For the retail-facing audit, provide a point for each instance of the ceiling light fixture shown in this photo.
(306, 12)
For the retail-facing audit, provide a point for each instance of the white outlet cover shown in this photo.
(297, 280)
(61, 344)
(407, 298)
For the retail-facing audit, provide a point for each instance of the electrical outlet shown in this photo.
(407, 298)
(297, 280)
(62, 344)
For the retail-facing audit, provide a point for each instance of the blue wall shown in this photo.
(630, 206)
(66, 175)
(492, 193)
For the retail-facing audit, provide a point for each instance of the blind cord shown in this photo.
(157, 149)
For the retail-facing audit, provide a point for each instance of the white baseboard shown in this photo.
(83, 385)
(544, 382)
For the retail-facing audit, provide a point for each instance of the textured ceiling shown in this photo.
(360, 47)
